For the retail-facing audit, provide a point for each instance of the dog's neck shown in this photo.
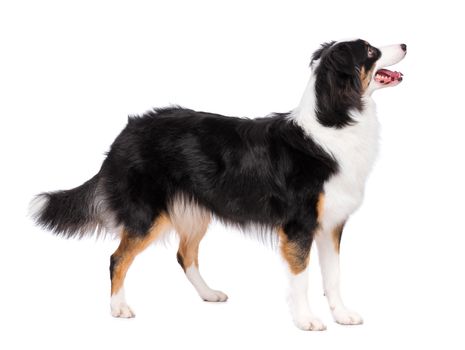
(306, 110)
(364, 130)
(305, 114)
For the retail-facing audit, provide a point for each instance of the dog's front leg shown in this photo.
(328, 243)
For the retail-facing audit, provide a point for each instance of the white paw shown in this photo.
(347, 317)
(310, 323)
(214, 296)
(122, 310)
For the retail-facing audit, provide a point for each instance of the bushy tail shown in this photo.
(72, 213)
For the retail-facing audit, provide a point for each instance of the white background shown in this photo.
(70, 73)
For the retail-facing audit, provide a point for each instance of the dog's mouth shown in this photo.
(388, 77)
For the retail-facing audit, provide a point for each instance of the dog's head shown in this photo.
(347, 71)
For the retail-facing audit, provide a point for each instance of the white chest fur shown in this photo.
(354, 147)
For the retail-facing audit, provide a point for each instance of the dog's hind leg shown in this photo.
(191, 223)
(188, 259)
(122, 258)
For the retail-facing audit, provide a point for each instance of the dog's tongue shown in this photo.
(387, 76)
(390, 73)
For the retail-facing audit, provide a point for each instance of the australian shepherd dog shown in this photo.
(298, 175)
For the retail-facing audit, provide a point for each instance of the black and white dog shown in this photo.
(299, 175)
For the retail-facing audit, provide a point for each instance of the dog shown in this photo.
(298, 175)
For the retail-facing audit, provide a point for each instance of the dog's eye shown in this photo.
(371, 52)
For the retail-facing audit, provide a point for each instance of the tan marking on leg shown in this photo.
(293, 254)
(337, 235)
(130, 246)
(190, 221)
(188, 251)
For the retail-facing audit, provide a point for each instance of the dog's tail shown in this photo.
(77, 212)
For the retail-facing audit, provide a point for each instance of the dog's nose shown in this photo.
(403, 47)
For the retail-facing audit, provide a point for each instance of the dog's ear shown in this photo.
(338, 87)
(318, 53)
(341, 60)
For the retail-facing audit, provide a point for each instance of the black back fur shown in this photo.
(261, 171)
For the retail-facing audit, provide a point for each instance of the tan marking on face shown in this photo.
(320, 204)
(130, 246)
(293, 254)
(337, 235)
(365, 77)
